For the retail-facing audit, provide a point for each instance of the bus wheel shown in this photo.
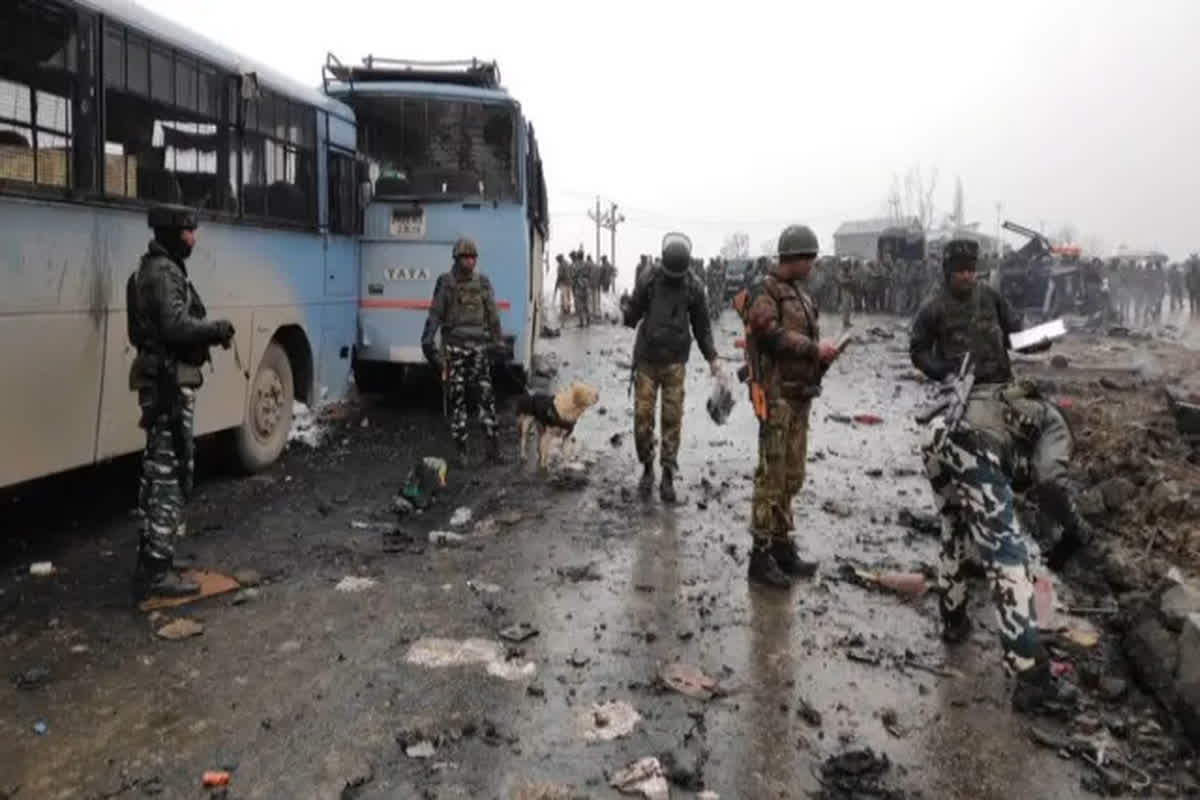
(264, 431)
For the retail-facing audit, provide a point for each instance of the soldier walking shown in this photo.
(787, 360)
(581, 287)
(1007, 433)
(845, 283)
(168, 326)
(669, 304)
(464, 309)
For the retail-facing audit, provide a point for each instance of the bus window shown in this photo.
(37, 87)
(343, 194)
(279, 178)
(429, 147)
(165, 136)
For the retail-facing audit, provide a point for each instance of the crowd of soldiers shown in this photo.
(579, 284)
(1142, 292)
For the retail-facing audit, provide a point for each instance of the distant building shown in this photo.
(860, 238)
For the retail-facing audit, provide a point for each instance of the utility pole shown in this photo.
(598, 218)
(611, 221)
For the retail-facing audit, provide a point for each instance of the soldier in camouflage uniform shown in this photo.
(845, 283)
(167, 325)
(972, 468)
(562, 285)
(667, 308)
(581, 281)
(789, 359)
(464, 310)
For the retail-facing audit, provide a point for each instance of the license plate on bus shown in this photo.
(408, 224)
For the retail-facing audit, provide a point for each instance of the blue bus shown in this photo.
(105, 109)
(446, 152)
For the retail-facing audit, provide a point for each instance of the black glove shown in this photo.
(1062, 551)
(223, 332)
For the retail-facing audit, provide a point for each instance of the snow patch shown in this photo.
(306, 427)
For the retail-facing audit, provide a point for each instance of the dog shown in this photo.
(553, 416)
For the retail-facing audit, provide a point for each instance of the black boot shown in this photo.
(764, 569)
(1039, 692)
(156, 578)
(646, 484)
(666, 489)
(956, 626)
(789, 560)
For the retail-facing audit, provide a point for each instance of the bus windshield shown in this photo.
(433, 148)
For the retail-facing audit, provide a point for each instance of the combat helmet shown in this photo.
(798, 241)
(676, 254)
(465, 246)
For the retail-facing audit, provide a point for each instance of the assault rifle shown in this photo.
(959, 390)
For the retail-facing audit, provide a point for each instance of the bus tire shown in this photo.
(264, 431)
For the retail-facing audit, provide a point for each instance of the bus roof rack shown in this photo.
(472, 72)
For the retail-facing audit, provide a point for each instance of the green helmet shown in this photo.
(465, 246)
(798, 240)
(676, 254)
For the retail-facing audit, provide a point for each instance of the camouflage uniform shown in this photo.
(782, 328)
(581, 286)
(845, 282)
(562, 285)
(973, 466)
(464, 310)
(168, 326)
(667, 311)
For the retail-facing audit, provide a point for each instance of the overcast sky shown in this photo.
(752, 115)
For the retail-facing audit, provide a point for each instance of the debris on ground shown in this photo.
(571, 478)
(421, 749)
(211, 584)
(644, 777)
(907, 584)
(402, 541)
(1115, 773)
(927, 524)
(433, 652)
(426, 478)
(446, 538)
(460, 517)
(41, 569)
(32, 678)
(520, 632)
(868, 419)
(214, 778)
(354, 583)
(836, 508)
(179, 629)
(576, 574)
(857, 775)
(608, 720)
(306, 426)
(689, 681)
(808, 712)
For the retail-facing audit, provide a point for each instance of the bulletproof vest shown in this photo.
(791, 377)
(972, 324)
(136, 325)
(466, 313)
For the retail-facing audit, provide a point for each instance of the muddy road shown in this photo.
(401, 685)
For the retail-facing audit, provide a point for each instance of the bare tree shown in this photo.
(736, 245)
(912, 197)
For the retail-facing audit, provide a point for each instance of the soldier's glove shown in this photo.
(1062, 551)
(223, 332)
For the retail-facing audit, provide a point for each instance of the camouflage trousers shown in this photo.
(976, 503)
(782, 455)
(168, 463)
(470, 367)
(582, 306)
(846, 300)
(648, 380)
